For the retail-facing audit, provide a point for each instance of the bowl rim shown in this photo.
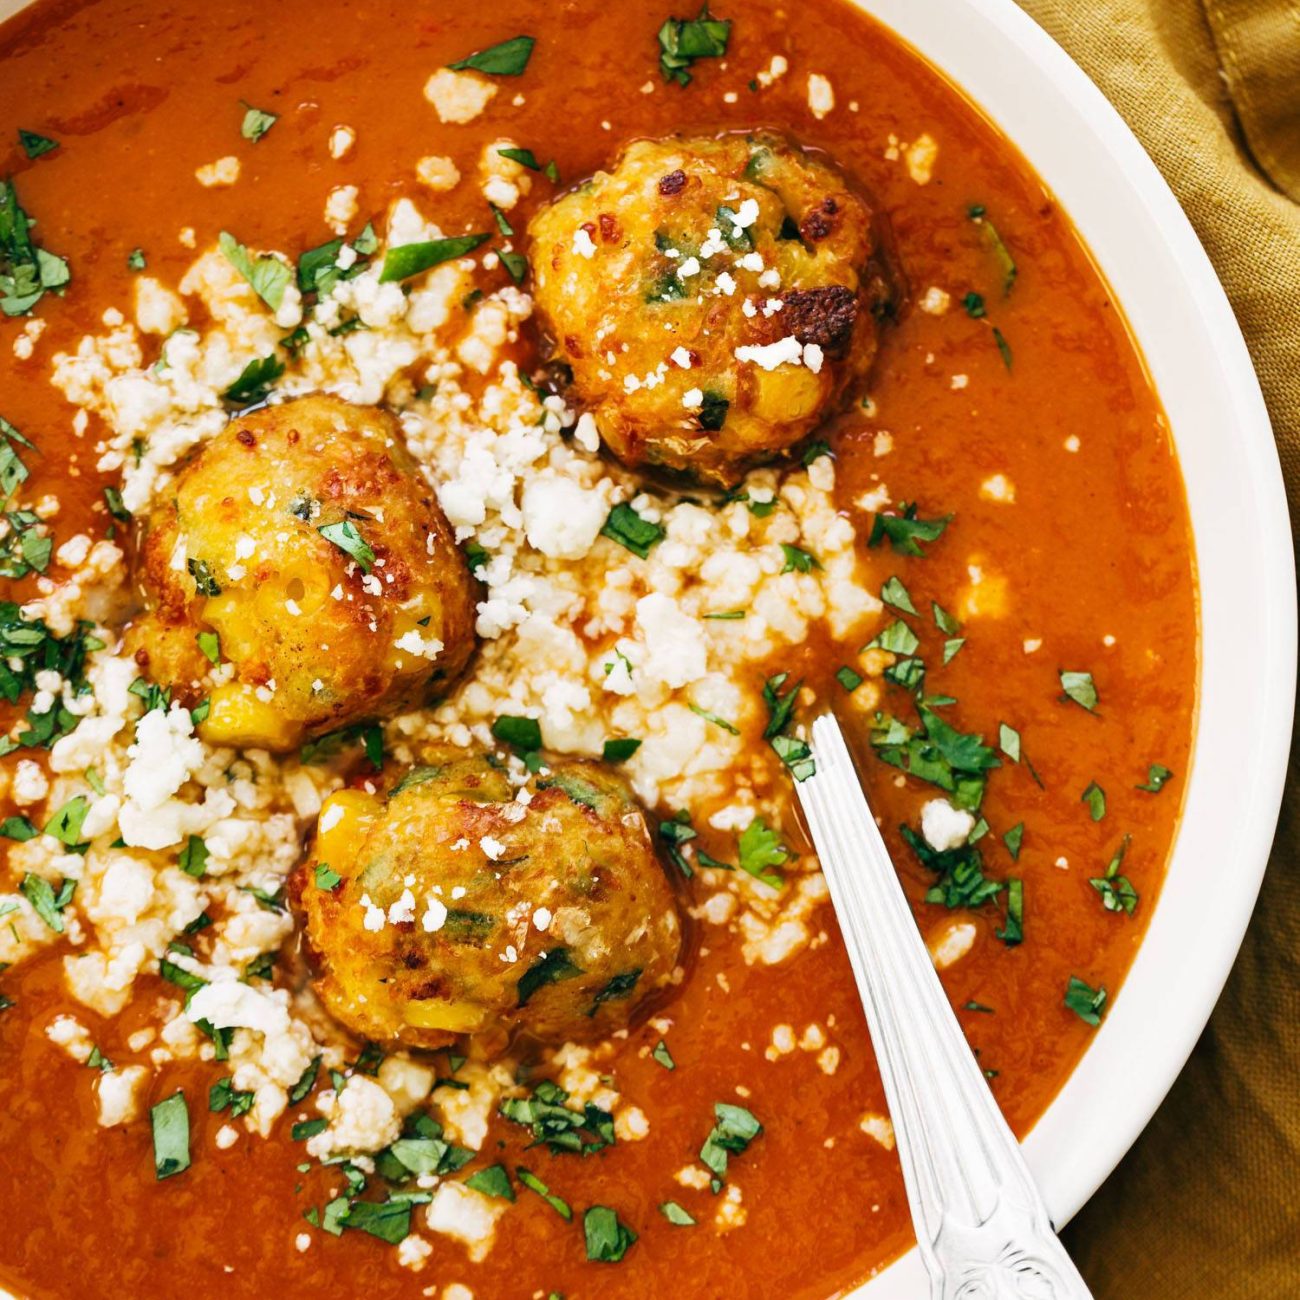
(1144, 246)
(1025, 84)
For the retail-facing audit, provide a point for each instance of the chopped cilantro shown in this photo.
(1117, 892)
(897, 638)
(34, 145)
(170, 1120)
(1080, 688)
(713, 410)
(492, 1181)
(46, 903)
(974, 304)
(326, 877)
(1086, 1002)
(951, 647)
(962, 882)
(675, 1214)
(675, 832)
(1009, 741)
(1013, 928)
(308, 1128)
(268, 275)
(524, 735)
(257, 122)
(551, 968)
(761, 848)
(65, 825)
(630, 530)
(193, 859)
(348, 539)
(204, 583)
(1004, 348)
(1156, 778)
(506, 59)
(1095, 797)
(534, 1184)
(306, 1082)
(663, 1056)
(27, 271)
(733, 1130)
(683, 40)
(516, 264)
(944, 621)
(895, 594)
(406, 260)
(619, 987)
(524, 157)
(798, 560)
(608, 1237)
(209, 644)
(558, 1127)
(715, 719)
(135, 260)
(848, 679)
(905, 531)
(254, 381)
(1013, 840)
(1002, 255)
(793, 752)
(223, 1096)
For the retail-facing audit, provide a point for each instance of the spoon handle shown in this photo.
(981, 1225)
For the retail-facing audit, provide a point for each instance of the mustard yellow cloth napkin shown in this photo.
(1207, 1205)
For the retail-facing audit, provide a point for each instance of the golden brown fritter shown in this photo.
(715, 299)
(303, 537)
(448, 906)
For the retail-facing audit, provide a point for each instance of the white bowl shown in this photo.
(1160, 276)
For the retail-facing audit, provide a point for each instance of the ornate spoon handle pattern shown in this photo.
(982, 1228)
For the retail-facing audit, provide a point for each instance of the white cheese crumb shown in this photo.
(458, 97)
(944, 826)
(223, 172)
(821, 95)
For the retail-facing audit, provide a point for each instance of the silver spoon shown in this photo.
(981, 1225)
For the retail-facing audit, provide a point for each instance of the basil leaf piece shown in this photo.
(631, 531)
(257, 122)
(308, 1128)
(406, 260)
(897, 638)
(345, 536)
(268, 276)
(663, 1056)
(388, 1220)
(713, 410)
(608, 1237)
(715, 719)
(1004, 348)
(683, 40)
(170, 1121)
(620, 749)
(1086, 1002)
(996, 245)
(34, 145)
(506, 59)
(135, 260)
(1009, 741)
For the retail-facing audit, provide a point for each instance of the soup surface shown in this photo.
(982, 563)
